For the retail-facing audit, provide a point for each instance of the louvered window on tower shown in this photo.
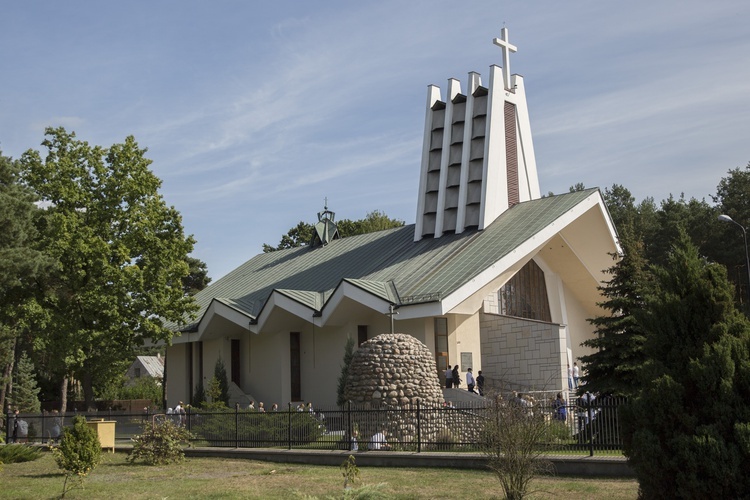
(525, 295)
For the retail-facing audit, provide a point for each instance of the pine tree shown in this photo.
(344, 377)
(199, 396)
(613, 367)
(220, 374)
(25, 394)
(688, 429)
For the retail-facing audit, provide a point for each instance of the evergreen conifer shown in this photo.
(25, 395)
(687, 431)
(613, 367)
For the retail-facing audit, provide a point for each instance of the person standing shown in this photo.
(456, 377)
(480, 383)
(570, 377)
(448, 377)
(15, 426)
(576, 374)
(470, 381)
(561, 412)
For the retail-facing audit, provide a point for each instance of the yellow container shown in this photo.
(105, 429)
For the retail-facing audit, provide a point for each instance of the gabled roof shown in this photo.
(154, 365)
(390, 265)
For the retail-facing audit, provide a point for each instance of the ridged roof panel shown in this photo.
(431, 267)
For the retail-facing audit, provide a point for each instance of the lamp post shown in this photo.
(726, 218)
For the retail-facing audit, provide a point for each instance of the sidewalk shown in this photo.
(564, 465)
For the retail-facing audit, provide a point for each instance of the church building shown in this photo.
(491, 276)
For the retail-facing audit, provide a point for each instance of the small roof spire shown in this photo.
(325, 229)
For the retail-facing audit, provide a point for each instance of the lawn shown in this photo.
(231, 478)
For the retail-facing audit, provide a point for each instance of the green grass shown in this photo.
(235, 478)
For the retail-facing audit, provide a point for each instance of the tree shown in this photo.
(344, 376)
(687, 429)
(120, 255)
(613, 367)
(25, 395)
(21, 263)
(219, 390)
(299, 235)
(728, 246)
(78, 454)
(197, 278)
(302, 233)
(512, 438)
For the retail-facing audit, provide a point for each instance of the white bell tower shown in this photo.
(477, 155)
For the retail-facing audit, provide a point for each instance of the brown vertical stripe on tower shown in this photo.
(511, 153)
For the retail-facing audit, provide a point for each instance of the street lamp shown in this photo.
(726, 218)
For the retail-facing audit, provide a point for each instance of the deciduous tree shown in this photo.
(120, 253)
(302, 233)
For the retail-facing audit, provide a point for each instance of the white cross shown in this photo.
(507, 49)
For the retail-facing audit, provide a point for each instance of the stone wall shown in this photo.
(398, 372)
(393, 370)
(521, 354)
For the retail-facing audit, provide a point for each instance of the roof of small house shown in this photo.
(154, 365)
(388, 264)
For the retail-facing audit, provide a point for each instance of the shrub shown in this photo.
(160, 443)
(17, 453)
(78, 454)
(251, 428)
(511, 439)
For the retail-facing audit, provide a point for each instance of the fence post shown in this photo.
(289, 428)
(237, 426)
(419, 428)
(349, 424)
(591, 429)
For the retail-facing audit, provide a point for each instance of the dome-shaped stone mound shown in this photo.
(393, 369)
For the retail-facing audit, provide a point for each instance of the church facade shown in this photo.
(491, 275)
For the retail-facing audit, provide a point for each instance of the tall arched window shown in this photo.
(525, 294)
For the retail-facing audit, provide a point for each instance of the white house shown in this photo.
(491, 275)
(145, 366)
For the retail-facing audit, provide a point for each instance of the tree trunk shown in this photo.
(64, 394)
(7, 387)
(88, 390)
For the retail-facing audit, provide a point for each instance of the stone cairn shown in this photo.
(390, 373)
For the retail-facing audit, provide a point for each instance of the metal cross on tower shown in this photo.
(504, 44)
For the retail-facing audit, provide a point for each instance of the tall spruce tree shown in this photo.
(344, 376)
(220, 374)
(613, 367)
(25, 395)
(687, 431)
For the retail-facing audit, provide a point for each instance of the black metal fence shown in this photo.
(592, 428)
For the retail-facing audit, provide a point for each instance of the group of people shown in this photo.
(574, 376)
(453, 380)
(378, 442)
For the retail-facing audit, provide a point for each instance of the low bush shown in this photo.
(78, 454)
(161, 443)
(249, 428)
(17, 453)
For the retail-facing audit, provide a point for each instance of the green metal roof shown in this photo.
(388, 264)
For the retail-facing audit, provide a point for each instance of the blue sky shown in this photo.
(254, 112)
